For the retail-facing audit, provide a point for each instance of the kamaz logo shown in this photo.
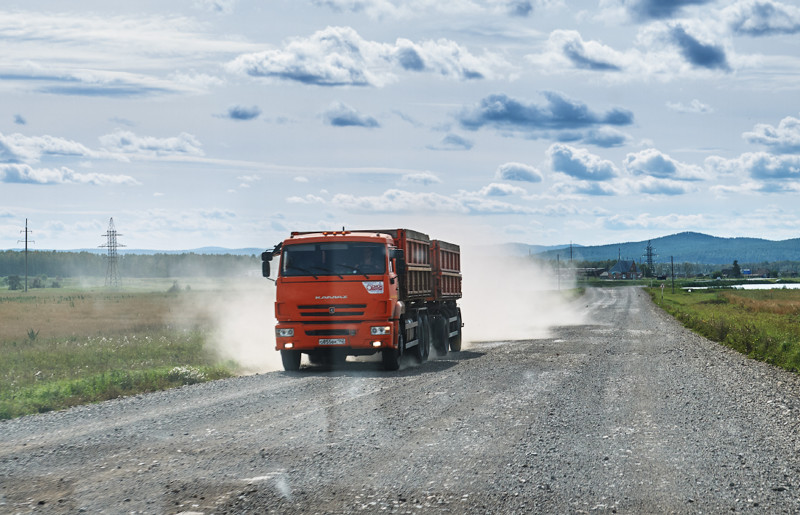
(329, 297)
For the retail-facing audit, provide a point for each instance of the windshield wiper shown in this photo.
(301, 269)
(328, 270)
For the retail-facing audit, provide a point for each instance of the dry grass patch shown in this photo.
(65, 348)
(779, 301)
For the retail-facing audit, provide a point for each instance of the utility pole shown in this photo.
(558, 270)
(672, 262)
(26, 231)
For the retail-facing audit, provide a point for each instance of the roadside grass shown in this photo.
(61, 348)
(762, 324)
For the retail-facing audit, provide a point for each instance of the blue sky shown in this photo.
(232, 122)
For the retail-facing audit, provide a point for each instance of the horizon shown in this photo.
(126, 250)
(217, 123)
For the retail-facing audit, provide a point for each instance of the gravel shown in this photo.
(628, 413)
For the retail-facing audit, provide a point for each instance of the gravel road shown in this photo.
(627, 413)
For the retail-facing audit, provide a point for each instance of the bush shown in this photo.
(14, 282)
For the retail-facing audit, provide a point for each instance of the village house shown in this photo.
(624, 270)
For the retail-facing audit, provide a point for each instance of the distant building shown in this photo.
(624, 270)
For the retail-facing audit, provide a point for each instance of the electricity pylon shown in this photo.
(26, 231)
(112, 273)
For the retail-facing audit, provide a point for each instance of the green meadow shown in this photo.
(84, 343)
(762, 324)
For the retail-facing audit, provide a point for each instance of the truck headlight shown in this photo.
(380, 330)
(284, 332)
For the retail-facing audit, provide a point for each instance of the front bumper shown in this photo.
(361, 336)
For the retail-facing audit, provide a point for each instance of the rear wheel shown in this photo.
(291, 360)
(439, 330)
(455, 341)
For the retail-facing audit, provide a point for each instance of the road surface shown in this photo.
(627, 413)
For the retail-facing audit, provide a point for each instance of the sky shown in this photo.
(231, 123)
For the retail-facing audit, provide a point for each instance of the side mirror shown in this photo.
(400, 256)
(266, 257)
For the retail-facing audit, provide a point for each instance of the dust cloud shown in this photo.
(512, 298)
(241, 316)
(244, 328)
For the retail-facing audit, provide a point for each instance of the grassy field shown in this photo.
(84, 343)
(763, 324)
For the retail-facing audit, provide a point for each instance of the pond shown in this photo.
(769, 286)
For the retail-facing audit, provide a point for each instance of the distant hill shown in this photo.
(685, 247)
(199, 251)
(691, 247)
(523, 249)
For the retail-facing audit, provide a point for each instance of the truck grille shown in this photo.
(331, 332)
(332, 310)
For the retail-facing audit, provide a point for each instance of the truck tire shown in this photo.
(391, 357)
(439, 330)
(455, 341)
(423, 349)
(291, 360)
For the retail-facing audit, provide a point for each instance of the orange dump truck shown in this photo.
(357, 293)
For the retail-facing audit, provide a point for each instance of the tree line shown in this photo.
(775, 269)
(88, 264)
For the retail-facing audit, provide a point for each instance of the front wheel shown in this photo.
(291, 360)
(423, 349)
(391, 357)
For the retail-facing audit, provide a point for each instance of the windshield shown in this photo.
(335, 258)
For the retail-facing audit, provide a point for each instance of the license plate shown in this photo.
(331, 341)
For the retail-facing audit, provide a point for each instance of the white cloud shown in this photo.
(761, 166)
(307, 199)
(111, 56)
(591, 188)
(762, 17)
(566, 49)
(660, 186)
(217, 6)
(126, 143)
(399, 201)
(339, 56)
(785, 138)
(452, 142)
(25, 174)
(404, 9)
(580, 164)
(18, 148)
(342, 115)
(518, 172)
(695, 107)
(421, 178)
(501, 190)
(670, 221)
(653, 163)
(661, 51)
